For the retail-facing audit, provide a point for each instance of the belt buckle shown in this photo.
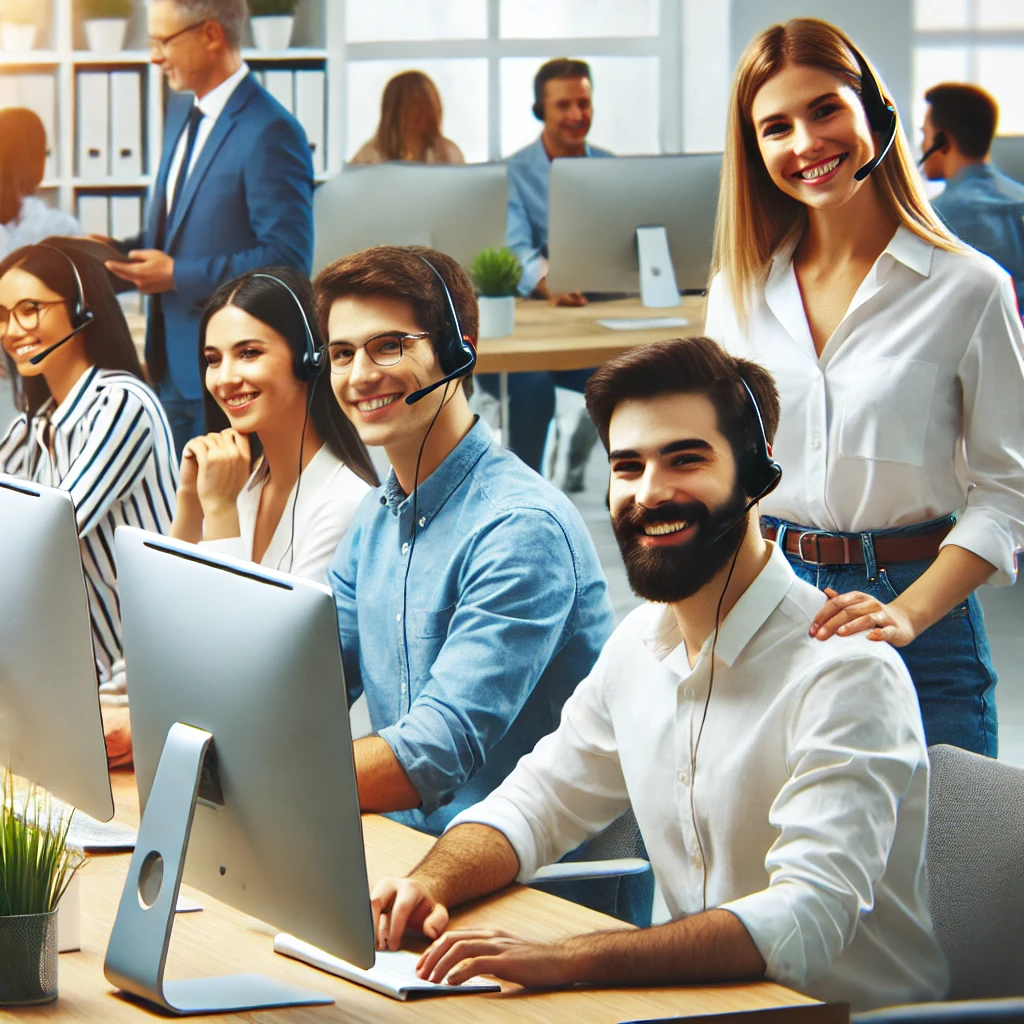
(816, 534)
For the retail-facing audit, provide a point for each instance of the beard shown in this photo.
(673, 573)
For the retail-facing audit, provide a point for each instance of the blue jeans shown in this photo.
(187, 416)
(950, 662)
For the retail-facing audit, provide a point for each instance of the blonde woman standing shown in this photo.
(899, 357)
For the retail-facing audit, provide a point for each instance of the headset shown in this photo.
(939, 142)
(881, 115)
(79, 313)
(455, 352)
(309, 365)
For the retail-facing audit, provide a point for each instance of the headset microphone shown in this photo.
(938, 143)
(37, 359)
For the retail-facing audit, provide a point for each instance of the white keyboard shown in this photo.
(91, 835)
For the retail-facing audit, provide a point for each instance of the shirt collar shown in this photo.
(911, 250)
(72, 407)
(316, 472)
(542, 153)
(441, 484)
(213, 103)
(982, 170)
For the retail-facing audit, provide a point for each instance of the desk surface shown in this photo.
(221, 940)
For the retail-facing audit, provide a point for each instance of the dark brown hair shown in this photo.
(271, 304)
(967, 113)
(410, 117)
(398, 272)
(108, 342)
(557, 67)
(22, 159)
(688, 366)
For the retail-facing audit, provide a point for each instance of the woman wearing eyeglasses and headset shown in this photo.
(898, 355)
(88, 424)
(282, 471)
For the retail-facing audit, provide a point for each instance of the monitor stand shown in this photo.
(657, 276)
(137, 951)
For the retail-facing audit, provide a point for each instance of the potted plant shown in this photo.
(36, 866)
(272, 22)
(106, 22)
(495, 273)
(18, 25)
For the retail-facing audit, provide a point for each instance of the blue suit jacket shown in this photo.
(248, 203)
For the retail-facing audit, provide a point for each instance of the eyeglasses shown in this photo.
(383, 349)
(26, 313)
(160, 43)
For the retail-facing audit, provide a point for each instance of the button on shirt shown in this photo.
(986, 209)
(506, 611)
(808, 796)
(915, 408)
(526, 234)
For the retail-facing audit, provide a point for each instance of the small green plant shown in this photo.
(269, 8)
(106, 9)
(495, 272)
(19, 12)
(36, 864)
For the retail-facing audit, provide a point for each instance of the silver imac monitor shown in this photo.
(456, 210)
(625, 225)
(1008, 155)
(243, 758)
(51, 731)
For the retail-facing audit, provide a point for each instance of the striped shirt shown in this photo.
(110, 445)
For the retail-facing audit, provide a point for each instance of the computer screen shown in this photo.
(596, 207)
(51, 731)
(456, 210)
(1008, 155)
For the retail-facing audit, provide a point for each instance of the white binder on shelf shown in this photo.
(93, 125)
(38, 92)
(94, 214)
(310, 109)
(10, 90)
(280, 85)
(126, 124)
(125, 216)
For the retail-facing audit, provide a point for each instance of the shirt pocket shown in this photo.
(885, 410)
(429, 632)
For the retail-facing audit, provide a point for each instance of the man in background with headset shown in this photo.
(470, 597)
(780, 782)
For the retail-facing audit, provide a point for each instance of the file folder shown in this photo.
(94, 215)
(39, 94)
(126, 124)
(310, 110)
(93, 125)
(280, 85)
(125, 216)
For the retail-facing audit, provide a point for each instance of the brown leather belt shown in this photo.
(817, 548)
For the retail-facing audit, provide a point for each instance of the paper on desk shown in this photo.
(392, 975)
(638, 323)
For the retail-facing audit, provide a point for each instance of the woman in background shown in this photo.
(410, 125)
(24, 218)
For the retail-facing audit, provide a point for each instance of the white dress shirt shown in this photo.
(916, 406)
(329, 495)
(36, 220)
(212, 105)
(810, 788)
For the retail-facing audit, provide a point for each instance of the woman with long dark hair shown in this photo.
(899, 359)
(281, 472)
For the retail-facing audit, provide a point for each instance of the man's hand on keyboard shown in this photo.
(401, 903)
(458, 956)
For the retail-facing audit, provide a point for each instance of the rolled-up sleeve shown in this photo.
(991, 375)
(516, 603)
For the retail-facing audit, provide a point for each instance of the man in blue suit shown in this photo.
(233, 193)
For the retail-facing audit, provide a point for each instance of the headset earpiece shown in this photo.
(309, 365)
(760, 473)
(881, 116)
(538, 110)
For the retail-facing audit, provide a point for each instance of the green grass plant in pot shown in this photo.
(495, 274)
(272, 22)
(36, 866)
(106, 23)
(19, 23)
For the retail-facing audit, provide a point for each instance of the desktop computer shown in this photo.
(456, 210)
(633, 224)
(1008, 155)
(243, 759)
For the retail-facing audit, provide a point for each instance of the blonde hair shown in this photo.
(754, 216)
(410, 117)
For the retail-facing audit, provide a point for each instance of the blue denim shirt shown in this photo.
(507, 610)
(526, 232)
(985, 208)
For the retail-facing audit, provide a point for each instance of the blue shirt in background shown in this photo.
(506, 611)
(526, 233)
(985, 208)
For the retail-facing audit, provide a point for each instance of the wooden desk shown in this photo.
(221, 940)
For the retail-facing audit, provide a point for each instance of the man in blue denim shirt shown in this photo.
(469, 607)
(980, 204)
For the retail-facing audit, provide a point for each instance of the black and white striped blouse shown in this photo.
(111, 447)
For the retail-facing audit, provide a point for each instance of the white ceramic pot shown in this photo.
(497, 315)
(272, 31)
(106, 35)
(17, 38)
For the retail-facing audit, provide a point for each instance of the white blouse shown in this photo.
(915, 408)
(329, 494)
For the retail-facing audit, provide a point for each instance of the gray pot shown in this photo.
(28, 959)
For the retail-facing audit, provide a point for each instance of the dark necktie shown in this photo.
(194, 117)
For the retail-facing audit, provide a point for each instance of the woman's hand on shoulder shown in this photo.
(222, 466)
(856, 612)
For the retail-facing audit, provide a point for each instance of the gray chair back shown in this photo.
(976, 871)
